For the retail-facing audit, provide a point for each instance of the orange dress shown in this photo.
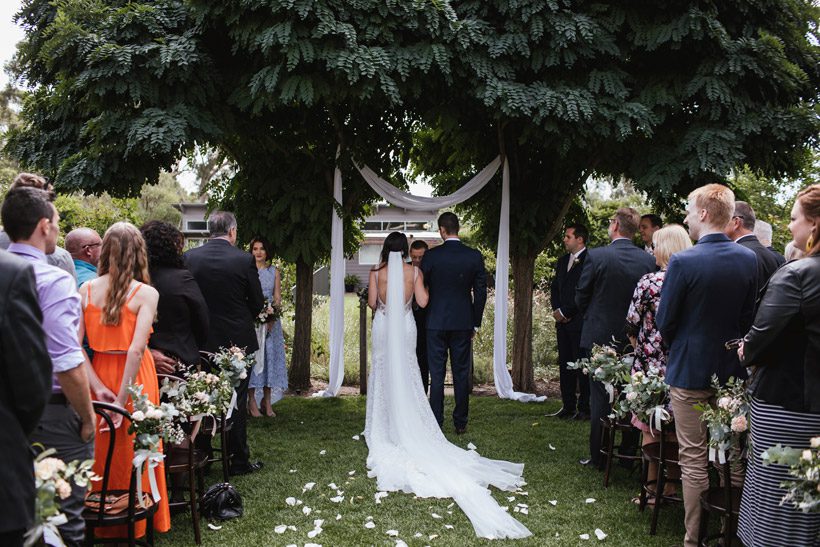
(110, 344)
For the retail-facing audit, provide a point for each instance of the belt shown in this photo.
(58, 399)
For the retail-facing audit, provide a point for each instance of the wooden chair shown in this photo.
(664, 454)
(100, 517)
(723, 501)
(184, 460)
(609, 427)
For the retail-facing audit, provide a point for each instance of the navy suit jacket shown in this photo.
(605, 289)
(707, 299)
(562, 291)
(457, 280)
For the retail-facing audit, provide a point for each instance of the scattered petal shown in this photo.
(584, 536)
(417, 535)
(290, 501)
(337, 499)
(511, 498)
(318, 523)
(471, 446)
(312, 545)
(292, 528)
(213, 526)
(306, 510)
(553, 502)
(292, 471)
(516, 509)
(313, 533)
(322, 452)
(505, 508)
(551, 447)
(379, 496)
(356, 437)
(308, 486)
(600, 534)
(369, 518)
(392, 533)
(369, 524)
(590, 500)
(400, 543)
(451, 505)
(449, 512)
(523, 505)
(351, 473)
(523, 493)
(333, 486)
(449, 526)
(525, 511)
(435, 515)
(280, 529)
(432, 537)
(338, 517)
(535, 424)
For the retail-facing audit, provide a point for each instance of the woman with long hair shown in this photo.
(783, 349)
(273, 379)
(120, 307)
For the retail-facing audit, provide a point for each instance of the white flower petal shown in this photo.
(525, 511)
(471, 446)
(290, 501)
(400, 543)
(600, 534)
(584, 536)
(338, 517)
(292, 528)
(280, 529)
(322, 452)
(511, 498)
(449, 526)
(318, 523)
(356, 437)
(435, 515)
(351, 473)
(306, 510)
(392, 533)
(337, 499)
(213, 526)
(553, 502)
(292, 471)
(432, 537)
(308, 486)
(551, 447)
(333, 486)
(451, 505)
(417, 535)
(369, 524)
(313, 533)
(590, 500)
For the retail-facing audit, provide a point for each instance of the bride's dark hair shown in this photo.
(394, 242)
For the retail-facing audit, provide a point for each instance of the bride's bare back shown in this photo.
(413, 286)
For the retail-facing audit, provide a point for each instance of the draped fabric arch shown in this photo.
(501, 375)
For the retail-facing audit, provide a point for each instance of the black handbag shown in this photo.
(222, 502)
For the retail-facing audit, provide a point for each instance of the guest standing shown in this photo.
(741, 230)
(26, 371)
(84, 245)
(707, 299)
(417, 250)
(181, 329)
(763, 232)
(67, 425)
(120, 307)
(273, 379)
(650, 223)
(650, 351)
(568, 323)
(783, 346)
(604, 291)
(229, 281)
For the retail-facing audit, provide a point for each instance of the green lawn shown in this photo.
(500, 429)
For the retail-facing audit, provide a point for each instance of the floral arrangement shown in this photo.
(728, 421)
(804, 465)
(233, 363)
(270, 312)
(151, 424)
(52, 479)
(607, 366)
(647, 397)
(202, 393)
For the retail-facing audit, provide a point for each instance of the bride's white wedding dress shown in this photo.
(407, 450)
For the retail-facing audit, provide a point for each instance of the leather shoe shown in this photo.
(563, 414)
(461, 430)
(581, 416)
(252, 467)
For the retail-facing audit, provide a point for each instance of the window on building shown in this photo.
(369, 254)
(417, 226)
(197, 226)
(373, 226)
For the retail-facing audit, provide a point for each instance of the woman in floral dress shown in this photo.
(644, 334)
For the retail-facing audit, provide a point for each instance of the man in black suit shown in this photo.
(229, 281)
(25, 387)
(763, 232)
(457, 280)
(605, 289)
(568, 323)
(741, 229)
(417, 250)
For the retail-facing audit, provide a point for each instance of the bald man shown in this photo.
(84, 245)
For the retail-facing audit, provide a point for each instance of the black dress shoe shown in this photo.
(563, 414)
(461, 430)
(252, 467)
(581, 416)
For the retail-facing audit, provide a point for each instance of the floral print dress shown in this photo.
(649, 350)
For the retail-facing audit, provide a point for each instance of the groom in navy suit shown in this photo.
(457, 280)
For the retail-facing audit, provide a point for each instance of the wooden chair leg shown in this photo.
(194, 501)
(704, 527)
(644, 478)
(149, 529)
(609, 454)
(660, 486)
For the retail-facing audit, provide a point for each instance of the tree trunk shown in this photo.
(523, 270)
(299, 377)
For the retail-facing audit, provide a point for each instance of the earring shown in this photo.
(810, 243)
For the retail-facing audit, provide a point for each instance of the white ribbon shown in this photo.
(261, 332)
(153, 459)
(231, 406)
(658, 415)
(198, 418)
(718, 454)
(610, 389)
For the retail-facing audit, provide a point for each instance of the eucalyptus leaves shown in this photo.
(728, 421)
(607, 366)
(804, 465)
(646, 395)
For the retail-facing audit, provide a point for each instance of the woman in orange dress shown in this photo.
(120, 308)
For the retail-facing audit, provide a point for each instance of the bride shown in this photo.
(407, 450)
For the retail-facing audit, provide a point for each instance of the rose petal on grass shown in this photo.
(355, 437)
(553, 502)
(584, 536)
(432, 537)
(337, 499)
(292, 528)
(379, 495)
(451, 505)
(280, 529)
(589, 500)
(551, 447)
(600, 534)
(369, 524)
(392, 533)
(400, 543)
(333, 486)
(471, 446)
(213, 526)
(351, 473)
(306, 510)
(290, 501)
(318, 523)
(313, 533)
(449, 526)
(338, 517)
(417, 535)
(308, 486)
(525, 511)
(435, 515)
(511, 498)
(322, 452)
(292, 471)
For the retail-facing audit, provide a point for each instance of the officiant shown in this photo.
(417, 250)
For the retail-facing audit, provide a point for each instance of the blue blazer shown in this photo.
(605, 289)
(457, 280)
(707, 299)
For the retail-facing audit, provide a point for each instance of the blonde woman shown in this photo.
(644, 334)
(120, 307)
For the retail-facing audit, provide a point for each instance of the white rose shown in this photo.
(239, 355)
(243, 375)
(807, 455)
(154, 414)
(724, 403)
(138, 416)
(47, 467)
(63, 488)
(201, 396)
(631, 396)
(815, 442)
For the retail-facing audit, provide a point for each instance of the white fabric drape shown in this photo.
(501, 375)
(337, 293)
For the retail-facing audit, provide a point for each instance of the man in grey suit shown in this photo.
(603, 295)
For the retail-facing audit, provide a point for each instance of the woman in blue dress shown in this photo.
(273, 378)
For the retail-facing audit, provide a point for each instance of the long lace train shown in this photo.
(407, 450)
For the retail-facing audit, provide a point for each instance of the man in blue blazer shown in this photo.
(457, 280)
(604, 292)
(707, 299)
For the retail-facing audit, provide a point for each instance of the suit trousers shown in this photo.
(459, 345)
(59, 428)
(569, 349)
(238, 437)
(694, 464)
(421, 356)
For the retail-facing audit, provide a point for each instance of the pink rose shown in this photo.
(739, 424)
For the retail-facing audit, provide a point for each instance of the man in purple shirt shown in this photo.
(67, 425)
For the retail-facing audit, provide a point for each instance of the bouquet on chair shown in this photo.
(270, 312)
(803, 492)
(233, 363)
(728, 421)
(150, 424)
(647, 397)
(606, 366)
(201, 394)
(53, 479)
